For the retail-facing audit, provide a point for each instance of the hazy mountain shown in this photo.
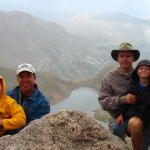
(25, 38)
(56, 16)
(94, 81)
(81, 53)
(110, 29)
(53, 87)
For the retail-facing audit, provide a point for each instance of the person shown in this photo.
(28, 95)
(115, 83)
(12, 115)
(140, 92)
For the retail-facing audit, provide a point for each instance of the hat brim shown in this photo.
(136, 54)
(24, 70)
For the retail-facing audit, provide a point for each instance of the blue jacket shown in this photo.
(35, 106)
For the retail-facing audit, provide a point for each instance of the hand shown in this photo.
(119, 120)
(130, 99)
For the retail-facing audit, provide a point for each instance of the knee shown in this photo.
(135, 123)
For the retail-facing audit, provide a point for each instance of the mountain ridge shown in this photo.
(55, 88)
(46, 45)
(108, 30)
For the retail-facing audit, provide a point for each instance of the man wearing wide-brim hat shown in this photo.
(116, 83)
(125, 47)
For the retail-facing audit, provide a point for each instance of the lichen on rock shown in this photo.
(65, 130)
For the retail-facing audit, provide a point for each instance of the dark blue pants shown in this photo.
(120, 130)
(146, 139)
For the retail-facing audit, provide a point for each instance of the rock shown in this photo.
(66, 130)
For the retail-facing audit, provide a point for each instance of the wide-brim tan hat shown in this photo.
(125, 47)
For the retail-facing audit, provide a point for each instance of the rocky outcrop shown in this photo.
(66, 130)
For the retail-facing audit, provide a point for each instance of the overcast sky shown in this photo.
(138, 8)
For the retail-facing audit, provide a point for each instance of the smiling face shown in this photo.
(125, 59)
(144, 72)
(26, 82)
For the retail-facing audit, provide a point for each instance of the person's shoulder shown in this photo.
(12, 91)
(41, 96)
(9, 100)
(110, 74)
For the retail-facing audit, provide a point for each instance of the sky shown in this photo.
(137, 8)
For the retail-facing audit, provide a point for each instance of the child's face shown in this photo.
(1, 88)
(144, 72)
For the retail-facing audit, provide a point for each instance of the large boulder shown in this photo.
(66, 130)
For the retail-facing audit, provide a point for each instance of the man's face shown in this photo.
(125, 59)
(26, 81)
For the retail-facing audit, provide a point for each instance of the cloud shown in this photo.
(132, 7)
(26, 4)
(146, 17)
(147, 35)
(66, 5)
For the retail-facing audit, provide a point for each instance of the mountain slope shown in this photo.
(25, 38)
(55, 88)
(109, 29)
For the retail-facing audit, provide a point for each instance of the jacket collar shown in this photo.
(32, 96)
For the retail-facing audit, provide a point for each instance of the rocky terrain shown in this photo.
(66, 130)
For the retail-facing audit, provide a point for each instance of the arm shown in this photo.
(107, 99)
(122, 109)
(42, 109)
(110, 94)
(119, 120)
(130, 96)
(17, 114)
(129, 99)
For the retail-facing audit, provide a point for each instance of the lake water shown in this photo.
(81, 99)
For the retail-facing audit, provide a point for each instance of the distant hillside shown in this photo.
(25, 38)
(108, 30)
(94, 82)
(53, 87)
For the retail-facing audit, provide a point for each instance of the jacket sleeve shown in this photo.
(123, 108)
(42, 109)
(107, 99)
(9, 93)
(18, 117)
